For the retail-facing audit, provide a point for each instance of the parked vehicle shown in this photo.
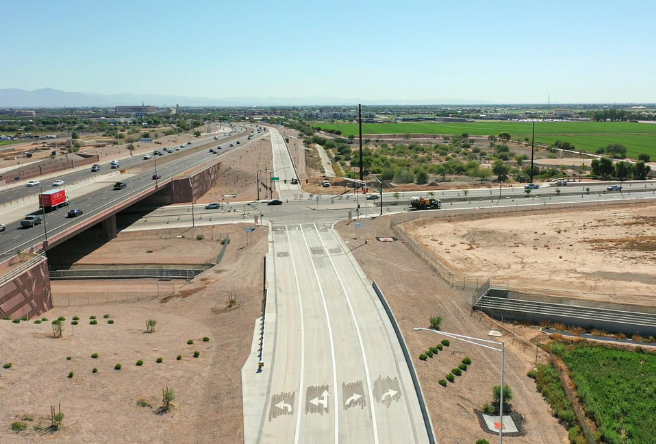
(120, 185)
(58, 183)
(531, 186)
(274, 202)
(419, 203)
(325, 183)
(75, 213)
(53, 199)
(213, 206)
(30, 221)
(614, 188)
(33, 183)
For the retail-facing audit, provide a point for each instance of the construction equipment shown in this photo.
(419, 203)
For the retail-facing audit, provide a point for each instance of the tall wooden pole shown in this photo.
(360, 120)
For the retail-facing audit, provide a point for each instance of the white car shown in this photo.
(33, 183)
(58, 183)
(147, 156)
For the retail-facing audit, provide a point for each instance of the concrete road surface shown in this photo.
(325, 162)
(283, 167)
(338, 373)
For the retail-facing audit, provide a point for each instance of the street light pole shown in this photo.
(380, 190)
(477, 341)
(43, 211)
(257, 183)
(156, 177)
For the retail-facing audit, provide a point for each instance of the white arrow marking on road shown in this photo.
(352, 399)
(282, 406)
(323, 399)
(389, 393)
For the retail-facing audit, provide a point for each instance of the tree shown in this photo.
(387, 174)
(603, 167)
(350, 138)
(421, 178)
(150, 325)
(492, 139)
(640, 170)
(57, 328)
(168, 396)
(507, 394)
(623, 170)
(435, 322)
(504, 137)
(501, 170)
(404, 176)
(644, 157)
(197, 133)
(616, 150)
(131, 147)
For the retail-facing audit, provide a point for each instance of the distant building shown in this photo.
(25, 113)
(563, 113)
(140, 110)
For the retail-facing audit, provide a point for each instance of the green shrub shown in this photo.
(93, 322)
(482, 441)
(61, 318)
(467, 361)
(106, 316)
(18, 426)
(178, 358)
(117, 367)
(429, 353)
(442, 382)
(7, 318)
(450, 377)
(73, 322)
(423, 356)
(76, 318)
(16, 321)
(38, 321)
(456, 371)
(139, 362)
(111, 321)
(7, 365)
(94, 355)
(434, 350)
(532, 374)
(440, 347)
(71, 374)
(445, 342)
(92, 317)
(487, 408)
(95, 370)
(159, 360)
(191, 341)
(68, 358)
(44, 319)
(143, 403)
(463, 367)
(435, 322)
(196, 354)
(206, 339)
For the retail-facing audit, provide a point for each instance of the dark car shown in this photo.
(213, 206)
(120, 185)
(157, 176)
(294, 181)
(275, 202)
(75, 213)
(95, 168)
(212, 151)
(188, 143)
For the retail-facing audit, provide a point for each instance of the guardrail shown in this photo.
(129, 273)
(411, 366)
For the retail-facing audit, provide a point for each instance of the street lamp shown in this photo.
(479, 342)
(156, 176)
(43, 211)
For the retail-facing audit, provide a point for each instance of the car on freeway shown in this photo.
(58, 183)
(148, 156)
(613, 188)
(238, 142)
(561, 183)
(33, 183)
(182, 146)
(2, 227)
(232, 145)
(294, 181)
(219, 147)
(168, 150)
(373, 196)
(75, 212)
(213, 206)
(275, 202)
(531, 186)
(216, 137)
(212, 151)
(177, 148)
(95, 168)
(120, 185)
(115, 164)
(157, 176)
(31, 221)
(188, 143)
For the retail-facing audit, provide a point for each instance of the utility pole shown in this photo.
(43, 211)
(360, 123)
(532, 150)
(258, 184)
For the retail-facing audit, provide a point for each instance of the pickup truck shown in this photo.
(30, 221)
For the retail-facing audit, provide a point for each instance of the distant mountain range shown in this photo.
(52, 98)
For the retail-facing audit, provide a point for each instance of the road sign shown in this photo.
(358, 224)
(275, 178)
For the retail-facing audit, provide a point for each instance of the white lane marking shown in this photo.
(357, 329)
(300, 303)
(16, 237)
(324, 396)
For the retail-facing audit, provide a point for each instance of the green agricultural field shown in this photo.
(617, 388)
(587, 136)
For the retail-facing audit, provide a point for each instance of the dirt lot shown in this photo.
(238, 174)
(415, 293)
(606, 254)
(102, 407)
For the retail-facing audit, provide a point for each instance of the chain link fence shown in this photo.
(150, 291)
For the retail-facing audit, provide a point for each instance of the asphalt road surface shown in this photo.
(338, 373)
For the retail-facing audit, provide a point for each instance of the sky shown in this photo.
(493, 51)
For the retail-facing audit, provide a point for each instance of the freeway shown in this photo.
(100, 199)
(16, 191)
(283, 167)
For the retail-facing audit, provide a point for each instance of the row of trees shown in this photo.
(606, 169)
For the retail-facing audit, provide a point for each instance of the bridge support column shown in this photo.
(109, 227)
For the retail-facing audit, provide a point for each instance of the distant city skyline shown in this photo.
(510, 52)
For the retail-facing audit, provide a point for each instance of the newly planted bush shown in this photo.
(206, 339)
(191, 341)
(38, 321)
(463, 367)
(76, 318)
(18, 426)
(71, 374)
(423, 356)
(445, 342)
(440, 347)
(196, 354)
(94, 355)
(61, 318)
(106, 316)
(159, 360)
(150, 325)
(111, 321)
(450, 377)
(92, 317)
(139, 362)
(142, 403)
(434, 350)
(117, 367)
(482, 441)
(7, 365)
(44, 319)
(68, 358)
(429, 353)
(93, 322)
(467, 361)
(179, 357)
(168, 396)
(73, 322)
(16, 321)
(456, 371)
(487, 408)
(95, 370)
(442, 382)
(435, 322)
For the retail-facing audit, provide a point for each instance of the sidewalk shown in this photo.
(327, 166)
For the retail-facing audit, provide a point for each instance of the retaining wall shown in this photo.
(25, 288)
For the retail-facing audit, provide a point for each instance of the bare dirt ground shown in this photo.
(606, 254)
(238, 173)
(415, 293)
(102, 407)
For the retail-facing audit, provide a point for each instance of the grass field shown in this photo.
(638, 138)
(617, 388)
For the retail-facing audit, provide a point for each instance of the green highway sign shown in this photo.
(275, 178)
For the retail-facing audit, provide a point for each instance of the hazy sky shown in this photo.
(496, 51)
